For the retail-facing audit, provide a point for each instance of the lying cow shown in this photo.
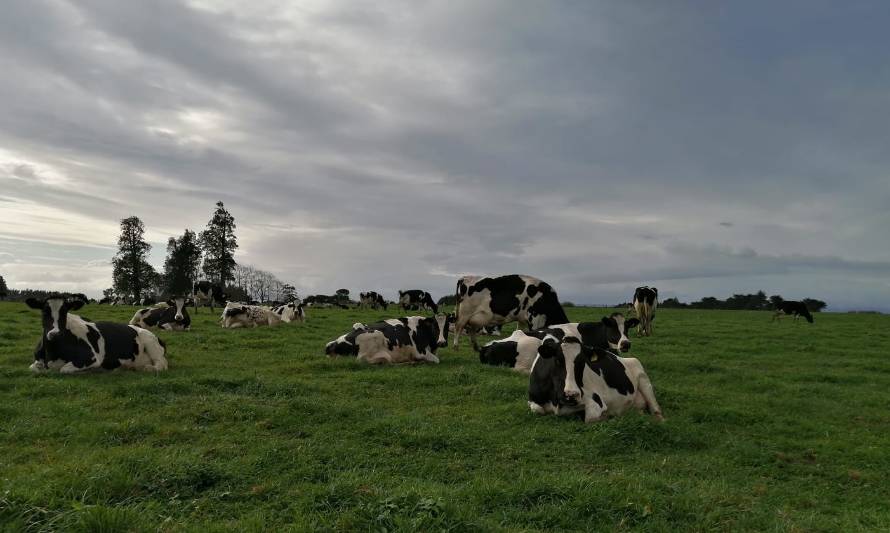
(795, 309)
(290, 312)
(397, 340)
(520, 349)
(645, 303)
(417, 299)
(569, 376)
(238, 315)
(71, 344)
(171, 315)
(483, 301)
(372, 300)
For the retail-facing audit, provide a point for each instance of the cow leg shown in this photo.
(428, 357)
(645, 388)
(459, 325)
(546, 409)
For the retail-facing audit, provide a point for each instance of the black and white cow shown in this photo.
(417, 299)
(290, 312)
(205, 292)
(645, 303)
(520, 349)
(71, 344)
(569, 376)
(238, 315)
(372, 300)
(484, 301)
(795, 309)
(171, 315)
(397, 340)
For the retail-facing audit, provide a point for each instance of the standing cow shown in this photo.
(71, 344)
(205, 292)
(645, 303)
(791, 308)
(417, 299)
(397, 340)
(372, 300)
(171, 315)
(483, 301)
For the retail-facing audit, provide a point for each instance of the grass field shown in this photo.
(782, 427)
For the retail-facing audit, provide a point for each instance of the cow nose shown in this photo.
(50, 335)
(625, 346)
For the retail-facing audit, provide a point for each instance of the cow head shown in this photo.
(616, 330)
(178, 304)
(443, 323)
(55, 313)
(569, 362)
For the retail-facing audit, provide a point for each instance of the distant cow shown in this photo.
(290, 312)
(417, 299)
(71, 344)
(372, 300)
(645, 302)
(569, 376)
(520, 349)
(796, 309)
(238, 315)
(205, 292)
(171, 315)
(483, 301)
(397, 340)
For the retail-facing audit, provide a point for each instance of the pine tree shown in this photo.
(182, 263)
(218, 242)
(132, 273)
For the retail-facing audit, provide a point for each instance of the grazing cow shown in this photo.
(397, 340)
(171, 315)
(569, 376)
(71, 344)
(796, 309)
(206, 292)
(238, 315)
(417, 299)
(290, 312)
(372, 300)
(483, 301)
(520, 349)
(645, 302)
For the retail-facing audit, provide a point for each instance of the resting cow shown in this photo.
(71, 344)
(496, 301)
(645, 302)
(171, 315)
(290, 312)
(237, 315)
(397, 340)
(795, 309)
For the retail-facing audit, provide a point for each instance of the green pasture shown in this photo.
(770, 427)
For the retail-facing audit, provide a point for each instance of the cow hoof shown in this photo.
(69, 368)
(659, 418)
(37, 367)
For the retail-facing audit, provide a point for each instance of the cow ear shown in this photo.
(608, 321)
(34, 303)
(549, 349)
(631, 323)
(74, 305)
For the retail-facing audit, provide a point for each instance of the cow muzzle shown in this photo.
(624, 346)
(52, 334)
(178, 318)
(571, 397)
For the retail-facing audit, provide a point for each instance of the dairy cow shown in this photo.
(70, 343)
(645, 302)
(372, 300)
(205, 292)
(417, 299)
(397, 340)
(170, 315)
(795, 309)
(518, 351)
(485, 301)
(569, 376)
(238, 315)
(290, 312)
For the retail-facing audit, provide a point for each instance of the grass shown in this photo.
(781, 427)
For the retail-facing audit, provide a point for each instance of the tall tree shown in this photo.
(3, 289)
(132, 273)
(182, 263)
(218, 242)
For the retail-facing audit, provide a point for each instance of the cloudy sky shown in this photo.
(704, 148)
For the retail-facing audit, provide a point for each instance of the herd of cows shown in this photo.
(572, 367)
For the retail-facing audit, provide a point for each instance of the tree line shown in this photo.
(745, 302)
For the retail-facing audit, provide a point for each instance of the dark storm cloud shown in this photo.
(375, 146)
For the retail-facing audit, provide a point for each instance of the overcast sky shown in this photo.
(704, 148)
